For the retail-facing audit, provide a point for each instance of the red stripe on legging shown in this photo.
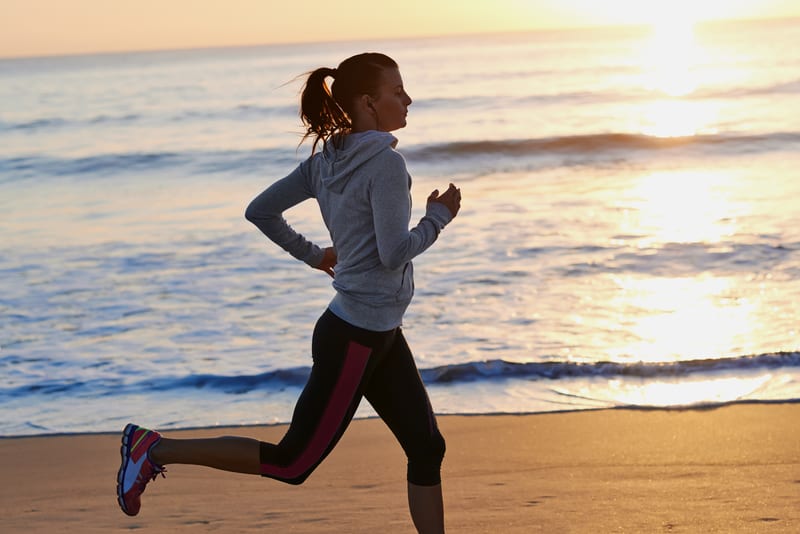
(353, 369)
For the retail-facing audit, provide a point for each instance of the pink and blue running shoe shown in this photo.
(136, 469)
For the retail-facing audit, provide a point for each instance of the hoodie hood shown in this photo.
(338, 163)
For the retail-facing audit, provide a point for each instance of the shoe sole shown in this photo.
(124, 454)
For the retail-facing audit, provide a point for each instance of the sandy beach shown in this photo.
(732, 469)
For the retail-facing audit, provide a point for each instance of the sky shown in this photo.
(56, 27)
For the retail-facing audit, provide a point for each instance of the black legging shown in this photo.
(350, 362)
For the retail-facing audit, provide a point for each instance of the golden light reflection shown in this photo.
(679, 118)
(686, 393)
(669, 63)
(670, 55)
(680, 207)
(684, 318)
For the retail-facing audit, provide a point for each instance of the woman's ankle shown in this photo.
(155, 454)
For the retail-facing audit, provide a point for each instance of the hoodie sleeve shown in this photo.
(391, 207)
(266, 212)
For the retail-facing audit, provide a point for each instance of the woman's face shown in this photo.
(391, 103)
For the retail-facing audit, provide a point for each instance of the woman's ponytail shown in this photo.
(320, 113)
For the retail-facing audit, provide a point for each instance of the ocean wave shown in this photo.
(599, 143)
(489, 370)
(627, 95)
(49, 123)
(34, 124)
(482, 102)
(782, 87)
(237, 113)
(682, 259)
(555, 150)
(101, 165)
(501, 369)
(291, 377)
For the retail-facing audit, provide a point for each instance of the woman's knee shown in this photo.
(425, 461)
(278, 462)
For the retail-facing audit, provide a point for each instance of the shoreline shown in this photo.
(726, 469)
(244, 426)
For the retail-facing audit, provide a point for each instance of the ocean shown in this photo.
(629, 233)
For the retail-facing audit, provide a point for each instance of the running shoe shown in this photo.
(137, 469)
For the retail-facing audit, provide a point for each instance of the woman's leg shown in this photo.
(427, 508)
(326, 406)
(344, 357)
(398, 395)
(240, 455)
(322, 413)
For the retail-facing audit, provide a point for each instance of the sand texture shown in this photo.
(728, 470)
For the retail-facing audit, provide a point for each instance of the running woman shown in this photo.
(362, 187)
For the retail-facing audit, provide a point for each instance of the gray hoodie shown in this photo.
(363, 191)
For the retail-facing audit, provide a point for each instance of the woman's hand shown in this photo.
(450, 198)
(328, 261)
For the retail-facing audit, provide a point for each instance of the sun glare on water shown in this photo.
(686, 393)
(681, 207)
(669, 58)
(685, 317)
(682, 318)
(670, 63)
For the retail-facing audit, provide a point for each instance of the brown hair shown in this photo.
(326, 112)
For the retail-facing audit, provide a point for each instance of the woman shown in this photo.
(363, 190)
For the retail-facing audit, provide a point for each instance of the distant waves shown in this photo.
(460, 373)
(548, 151)
(599, 143)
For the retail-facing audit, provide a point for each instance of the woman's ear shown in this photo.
(364, 116)
(366, 101)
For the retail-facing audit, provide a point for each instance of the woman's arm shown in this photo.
(391, 207)
(266, 212)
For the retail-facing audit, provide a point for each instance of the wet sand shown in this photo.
(732, 469)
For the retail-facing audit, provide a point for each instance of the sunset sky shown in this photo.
(52, 27)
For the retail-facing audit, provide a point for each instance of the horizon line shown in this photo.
(543, 29)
